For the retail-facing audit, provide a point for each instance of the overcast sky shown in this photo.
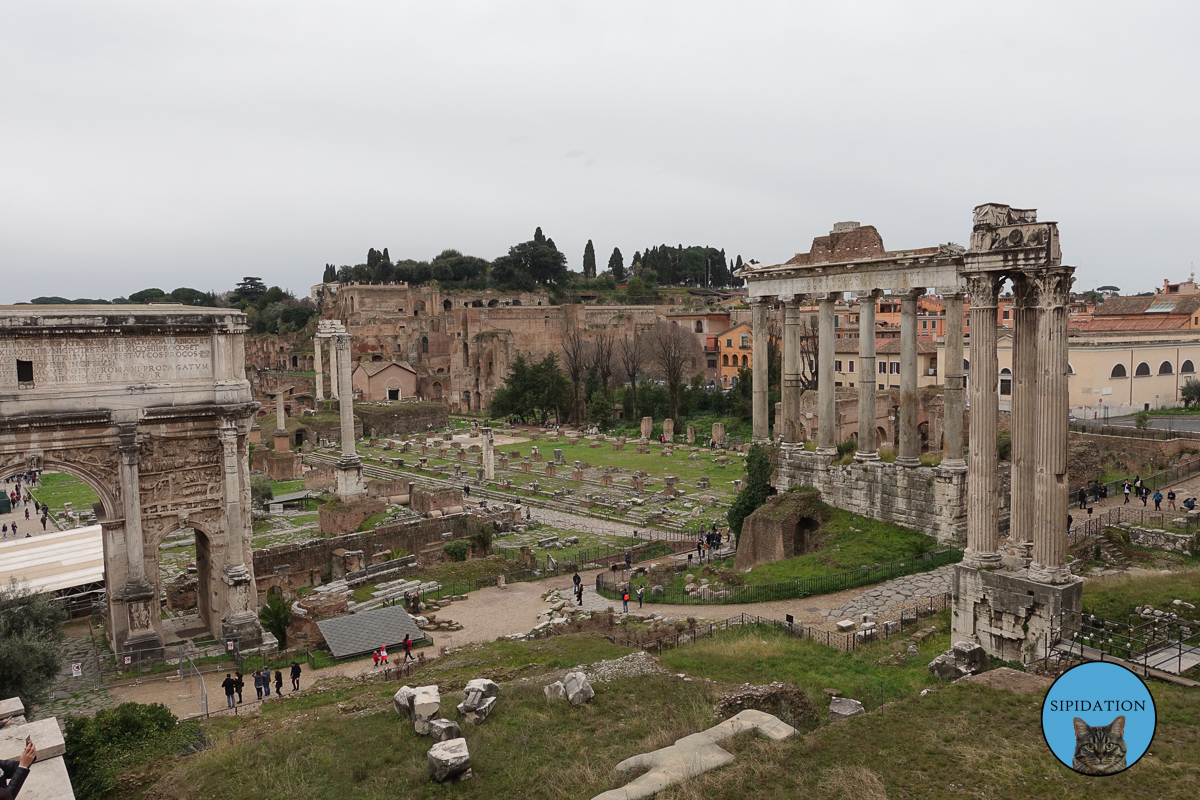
(190, 144)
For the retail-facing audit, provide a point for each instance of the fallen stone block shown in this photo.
(970, 655)
(844, 708)
(402, 700)
(845, 625)
(555, 691)
(443, 730)
(476, 708)
(426, 705)
(450, 761)
(890, 627)
(487, 687)
(578, 690)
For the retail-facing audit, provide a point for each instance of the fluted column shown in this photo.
(910, 443)
(1024, 402)
(982, 479)
(345, 394)
(791, 370)
(867, 446)
(234, 523)
(333, 368)
(761, 365)
(952, 380)
(317, 367)
(129, 448)
(826, 397)
(1050, 452)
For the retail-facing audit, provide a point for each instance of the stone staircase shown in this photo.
(393, 590)
(1111, 554)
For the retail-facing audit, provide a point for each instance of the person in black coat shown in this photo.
(239, 684)
(230, 686)
(295, 676)
(15, 772)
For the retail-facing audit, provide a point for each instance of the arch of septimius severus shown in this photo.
(1002, 608)
(150, 407)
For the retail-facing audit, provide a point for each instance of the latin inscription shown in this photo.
(108, 360)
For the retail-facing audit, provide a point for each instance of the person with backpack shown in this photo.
(625, 601)
(639, 594)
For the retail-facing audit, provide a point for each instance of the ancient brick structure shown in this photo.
(781, 528)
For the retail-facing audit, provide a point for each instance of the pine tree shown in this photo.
(589, 261)
(616, 265)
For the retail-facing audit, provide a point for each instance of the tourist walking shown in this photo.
(258, 683)
(4, 531)
(408, 656)
(239, 684)
(43, 522)
(375, 658)
(1158, 500)
(639, 594)
(1171, 500)
(278, 683)
(575, 579)
(628, 560)
(266, 682)
(1126, 489)
(295, 676)
(1082, 497)
(383, 655)
(625, 601)
(579, 595)
(1145, 495)
(230, 686)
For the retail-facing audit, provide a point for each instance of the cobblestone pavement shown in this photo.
(896, 592)
(575, 522)
(70, 695)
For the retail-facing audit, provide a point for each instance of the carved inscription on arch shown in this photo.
(180, 475)
(62, 362)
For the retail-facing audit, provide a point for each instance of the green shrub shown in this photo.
(759, 466)
(1003, 445)
(30, 639)
(457, 550)
(261, 491)
(480, 535)
(847, 447)
(103, 747)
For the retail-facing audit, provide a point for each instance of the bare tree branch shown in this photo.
(633, 351)
(575, 364)
(676, 351)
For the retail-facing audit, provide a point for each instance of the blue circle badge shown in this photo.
(1098, 718)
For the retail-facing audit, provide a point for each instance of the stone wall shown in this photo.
(931, 500)
(317, 555)
(1132, 454)
(303, 631)
(340, 519)
(1160, 539)
(1007, 613)
(182, 593)
(401, 418)
(320, 476)
(426, 500)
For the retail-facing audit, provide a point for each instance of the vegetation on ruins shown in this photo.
(756, 490)
(457, 550)
(532, 391)
(29, 642)
(1190, 393)
(276, 616)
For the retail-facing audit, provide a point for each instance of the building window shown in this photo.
(1006, 313)
(1119, 372)
(725, 361)
(729, 342)
(1187, 367)
(699, 326)
(425, 344)
(924, 324)
(851, 365)
(24, 374)
(712, 363)
(837, 366)
(745, 340)
(1142, 371)
(1165, 368)
(1070, 369)
(1006, 381)
(895, 367)
(745, 363)
(882, 369)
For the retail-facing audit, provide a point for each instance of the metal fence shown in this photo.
(909, 618)
(1164, 644)
(1161, 434)
(1096, 524)
(606, 584)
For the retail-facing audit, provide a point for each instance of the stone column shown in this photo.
(1050, 452)
(761, 321)
(867, 446)
(791, 370)
(982, 480)
(826, 398)
(131, 506)
(334, 373)
(283, 443)
(489, 454)
(349, 466)
(1024, 404)
(953, 379)
(317, 367)
(910, 441)
(234, 523)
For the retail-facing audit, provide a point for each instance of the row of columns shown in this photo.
(793, 366)
(333, 367)
(1039, 424)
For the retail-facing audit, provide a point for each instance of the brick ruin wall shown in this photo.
(402, 418)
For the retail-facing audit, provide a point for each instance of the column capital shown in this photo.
(949, 293)
(763, 301)
(872, 294)
(984, 288)
(1053, 286)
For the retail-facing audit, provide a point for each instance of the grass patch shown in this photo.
(59, 488)
(1115, 596)
(370, 522)
(286, 487)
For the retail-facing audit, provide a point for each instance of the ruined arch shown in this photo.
(435, 390)
(447, 305)
(493, 303)
(172, 455)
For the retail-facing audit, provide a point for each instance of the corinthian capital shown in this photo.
(984, 288)
(1053, 286)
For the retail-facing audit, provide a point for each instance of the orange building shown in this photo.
(735, 350)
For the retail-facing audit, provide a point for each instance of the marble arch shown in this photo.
(149, 406)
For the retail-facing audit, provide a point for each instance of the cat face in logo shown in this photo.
(1099, 750)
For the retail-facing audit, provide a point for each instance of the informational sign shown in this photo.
(128, 660)
(229, 645)
(77, 670)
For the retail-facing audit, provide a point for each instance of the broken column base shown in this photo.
(1010, 615)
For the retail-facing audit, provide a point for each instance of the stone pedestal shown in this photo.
(1008, 613)
(647, 427)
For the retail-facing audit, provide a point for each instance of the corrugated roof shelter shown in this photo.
(357, 634)
(51, 562)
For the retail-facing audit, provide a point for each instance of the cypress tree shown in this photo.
(616, 265)
(589, 261)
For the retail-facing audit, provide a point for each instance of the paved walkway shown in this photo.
(898, 592)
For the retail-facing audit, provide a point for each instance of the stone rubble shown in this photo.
(844, 708)
(450, 761)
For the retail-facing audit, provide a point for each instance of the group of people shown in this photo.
(380, 656)
(19, 496)
(708, 544)
(235, 682)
